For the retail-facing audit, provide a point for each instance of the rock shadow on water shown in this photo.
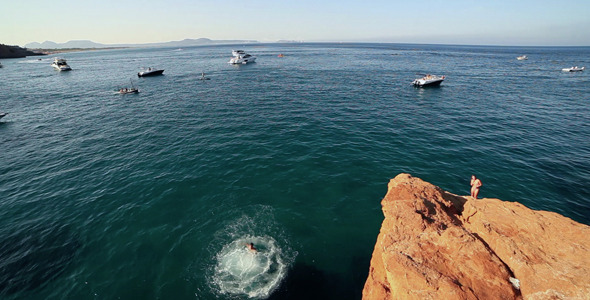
(34, 256)
(308, 282)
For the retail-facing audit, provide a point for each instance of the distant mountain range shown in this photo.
(91, 44)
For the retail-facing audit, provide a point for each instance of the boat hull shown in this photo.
(62, 68)
(135, 91)
(236, 61)
(150, 73)
(427, 83)
(574, 69)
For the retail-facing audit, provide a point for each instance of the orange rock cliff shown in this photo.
(437, 245)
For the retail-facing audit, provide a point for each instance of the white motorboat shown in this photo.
(524, 57)
(150, 72)
(429, 80)
(574, 69)
(60, 64)
(241, 57)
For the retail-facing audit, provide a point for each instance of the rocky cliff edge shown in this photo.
(437, 245)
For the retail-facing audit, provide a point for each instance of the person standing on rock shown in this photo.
(475, 185)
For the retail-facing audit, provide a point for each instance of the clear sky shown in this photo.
(496, 22)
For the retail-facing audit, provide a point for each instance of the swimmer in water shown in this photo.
(251, 247)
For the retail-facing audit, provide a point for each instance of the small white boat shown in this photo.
(124, 91)
(429, 80)
(150, 72)
(241, 57)
(60, 64)
(131, 90)
(524, 57)
(574, 69)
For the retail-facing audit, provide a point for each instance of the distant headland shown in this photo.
(7, 51)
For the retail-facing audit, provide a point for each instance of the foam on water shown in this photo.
(240, 271)
(236, 271)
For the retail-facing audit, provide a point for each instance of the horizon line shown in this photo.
(287, 41)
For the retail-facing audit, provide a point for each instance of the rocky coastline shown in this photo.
(437, 245)
(7, 51)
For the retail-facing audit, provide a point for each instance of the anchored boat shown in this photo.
(150, 72)
(428, 80)
(573, 69)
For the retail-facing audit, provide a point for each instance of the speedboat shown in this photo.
(524, 57)
(241, 57)
(150, 72)
(574, 69)
(60, 64)
(429, 80)
(2, 115)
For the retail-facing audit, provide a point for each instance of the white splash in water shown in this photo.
(240, 271)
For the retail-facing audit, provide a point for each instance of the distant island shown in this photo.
(48, 51)
(86, 44)
(7, 51)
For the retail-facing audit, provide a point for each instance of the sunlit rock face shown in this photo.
(437, 245)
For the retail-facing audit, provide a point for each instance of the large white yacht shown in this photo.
(60, 64)
(241, 57)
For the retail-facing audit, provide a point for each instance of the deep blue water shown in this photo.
(152, 196)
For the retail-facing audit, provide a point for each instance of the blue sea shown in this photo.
(154, 195)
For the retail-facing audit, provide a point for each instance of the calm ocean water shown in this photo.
(153, 196)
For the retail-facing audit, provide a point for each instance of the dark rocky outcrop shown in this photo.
(15, 52)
